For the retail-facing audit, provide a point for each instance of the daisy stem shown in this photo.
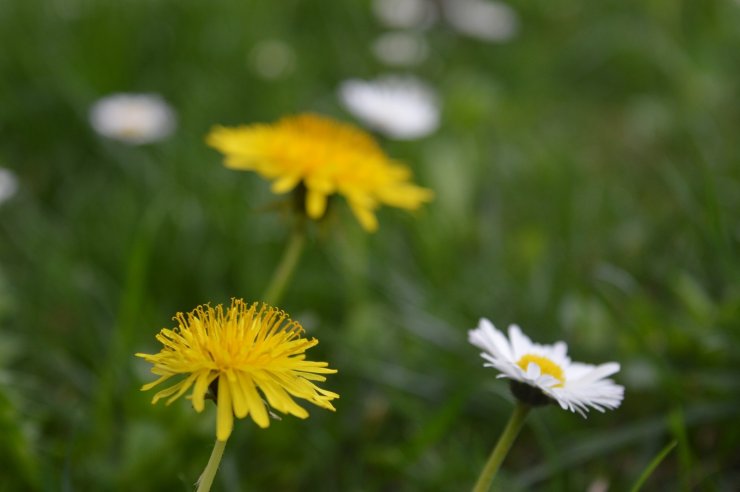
(287, 265)
(206, 478)
(516, 421)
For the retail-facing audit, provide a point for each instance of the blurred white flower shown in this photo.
(542, 373)
(600, 484)
(400, 48)
(133, 118)
(405, 14)
(8, 184)
(482, 19)
(403, 108)
(272, 59)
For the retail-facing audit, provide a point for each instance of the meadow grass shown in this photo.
(587, 187)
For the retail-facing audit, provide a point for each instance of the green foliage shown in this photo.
(588, 188)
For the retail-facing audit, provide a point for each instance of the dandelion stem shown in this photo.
(516, 421)
(287, 265)
(206, 478)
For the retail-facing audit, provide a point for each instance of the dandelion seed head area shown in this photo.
(243, 352)
(325, 156)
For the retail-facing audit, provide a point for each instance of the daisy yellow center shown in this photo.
(546, 366)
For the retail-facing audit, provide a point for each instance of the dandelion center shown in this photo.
(546, 366)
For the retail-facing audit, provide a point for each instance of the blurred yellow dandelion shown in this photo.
(325, 156)
(235, 352)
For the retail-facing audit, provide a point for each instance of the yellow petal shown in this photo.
(184, 386)
(365, 216)
(224, 414)
(240, 403)
(177, 389)
(151, 385)
(256, 405)
(285, 184)
(280, 399)
(201, 388)
(315, 204)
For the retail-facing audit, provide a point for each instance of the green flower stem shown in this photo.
(285, 269)
(502, 448)
(206, 478)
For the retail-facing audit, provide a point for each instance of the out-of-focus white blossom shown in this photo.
(273, 59)
(400, 48)
(600, 484)
(482, 19)
(8, 184)
(133, 118)
(403, 108)
(405, 14)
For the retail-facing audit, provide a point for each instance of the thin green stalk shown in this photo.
(286, 267)
(652, 466)
(502, 448)
(206, 478)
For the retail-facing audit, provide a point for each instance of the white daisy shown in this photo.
(273, 59)
(485, 20)
(405, 14)
(8, 184)
(548, 370)
(133, 118)
(403, 108)
(401, 48)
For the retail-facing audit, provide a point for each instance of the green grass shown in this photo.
(588, 188)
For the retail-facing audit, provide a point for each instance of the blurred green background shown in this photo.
(588, 188)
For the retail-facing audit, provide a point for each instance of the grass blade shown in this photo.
(653, 465)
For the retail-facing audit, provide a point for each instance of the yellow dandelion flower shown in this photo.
(325, 156)
(233, 353)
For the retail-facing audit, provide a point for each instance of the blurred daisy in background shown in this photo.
(317, 157)
(541, 374)
(8, 184)
(401, 48)
(405, 14)
(482, 19)
(272, 59)
(133, 118)
(402, 108)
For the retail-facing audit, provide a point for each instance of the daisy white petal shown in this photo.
(520, 343)
(533, 371)
(491, 340)
(599, 372)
